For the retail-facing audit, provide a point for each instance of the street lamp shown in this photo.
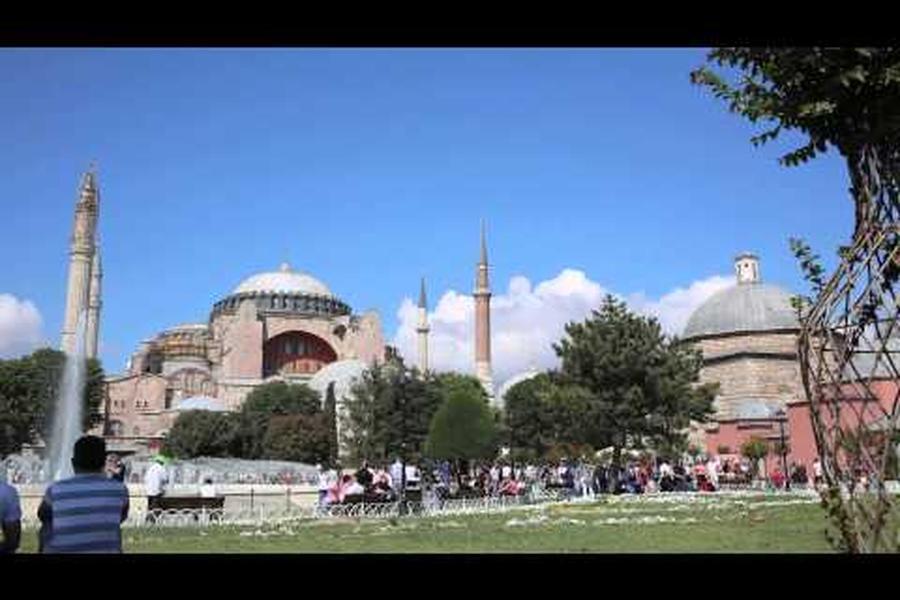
(782, 417)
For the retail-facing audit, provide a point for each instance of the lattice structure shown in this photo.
(850, 365)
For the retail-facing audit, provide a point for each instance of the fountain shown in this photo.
(67, 426)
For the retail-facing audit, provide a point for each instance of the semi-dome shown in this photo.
(283, 281)
(749, 306)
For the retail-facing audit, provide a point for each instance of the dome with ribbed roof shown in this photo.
(283, 281)
(749, 306)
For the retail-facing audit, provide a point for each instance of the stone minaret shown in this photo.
(483, 321)
(746, 268)
(422, 329)
(81, 258)
(94, 303)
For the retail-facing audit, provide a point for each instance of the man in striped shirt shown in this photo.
(84, 513)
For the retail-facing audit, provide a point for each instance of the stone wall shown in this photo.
(739, 363)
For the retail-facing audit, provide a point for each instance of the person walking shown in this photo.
(84, 513)
(10, 518)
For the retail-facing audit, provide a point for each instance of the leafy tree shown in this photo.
(542, 413)
(280, 398)
(29, 391)
(267, 401)
(841, 97)
(640, 385)
(389, 411)
(463, 428)
(299, 437)
(203, 433)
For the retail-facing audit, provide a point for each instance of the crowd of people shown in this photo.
(570, 478)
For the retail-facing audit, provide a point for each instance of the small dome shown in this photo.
(743, 307)
(515, 379)
(201, 403)
(344, 374)
(285, 280)
(749, 306)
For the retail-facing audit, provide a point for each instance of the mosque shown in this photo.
(280, 325)
(748, 336)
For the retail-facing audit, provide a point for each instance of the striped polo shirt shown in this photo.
(86, 514)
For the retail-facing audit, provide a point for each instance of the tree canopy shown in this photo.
(29, 389)
(389, 411)
(463, 428)
(640, 387)
(542, 415)
(277, 421)
(844, 97)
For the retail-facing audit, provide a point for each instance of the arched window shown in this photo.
(296, 352)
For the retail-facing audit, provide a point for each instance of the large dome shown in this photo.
(283, 281)
(746, 307)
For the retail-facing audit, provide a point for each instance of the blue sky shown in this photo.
(371, 168)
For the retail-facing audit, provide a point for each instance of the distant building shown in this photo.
(748, 336)
(278, 325)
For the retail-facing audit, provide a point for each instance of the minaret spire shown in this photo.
(95, 302)
(81, 257)
(422, 329)
(482, 296)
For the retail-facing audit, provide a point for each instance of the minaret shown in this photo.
(81, 257)
(94, 303)
(422, 329)
(483, 321)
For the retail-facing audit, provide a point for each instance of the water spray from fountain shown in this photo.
(67, 417)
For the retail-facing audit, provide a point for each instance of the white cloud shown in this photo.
(674, 309)
(20, 326)
(526, 320)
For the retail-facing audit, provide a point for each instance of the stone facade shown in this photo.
(762, 367)
(748, 338)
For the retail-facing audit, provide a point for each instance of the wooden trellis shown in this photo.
(850, 364)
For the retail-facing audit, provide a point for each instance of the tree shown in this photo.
(203, 433)
(389, 411)
(463, 428)
(270, 400)
(543, 413)
(280, 398)
(299, 437)
(29, 391)
(640, 385)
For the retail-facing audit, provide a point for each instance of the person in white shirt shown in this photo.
(712, 471)
(155, 480)
(397, 475)
(323, 484)
(208, 489)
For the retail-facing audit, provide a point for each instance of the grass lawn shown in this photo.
(622, 524)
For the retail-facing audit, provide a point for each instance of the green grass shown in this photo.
(719, 526)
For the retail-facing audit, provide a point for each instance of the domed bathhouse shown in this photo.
(748, 336)
(279, 325)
